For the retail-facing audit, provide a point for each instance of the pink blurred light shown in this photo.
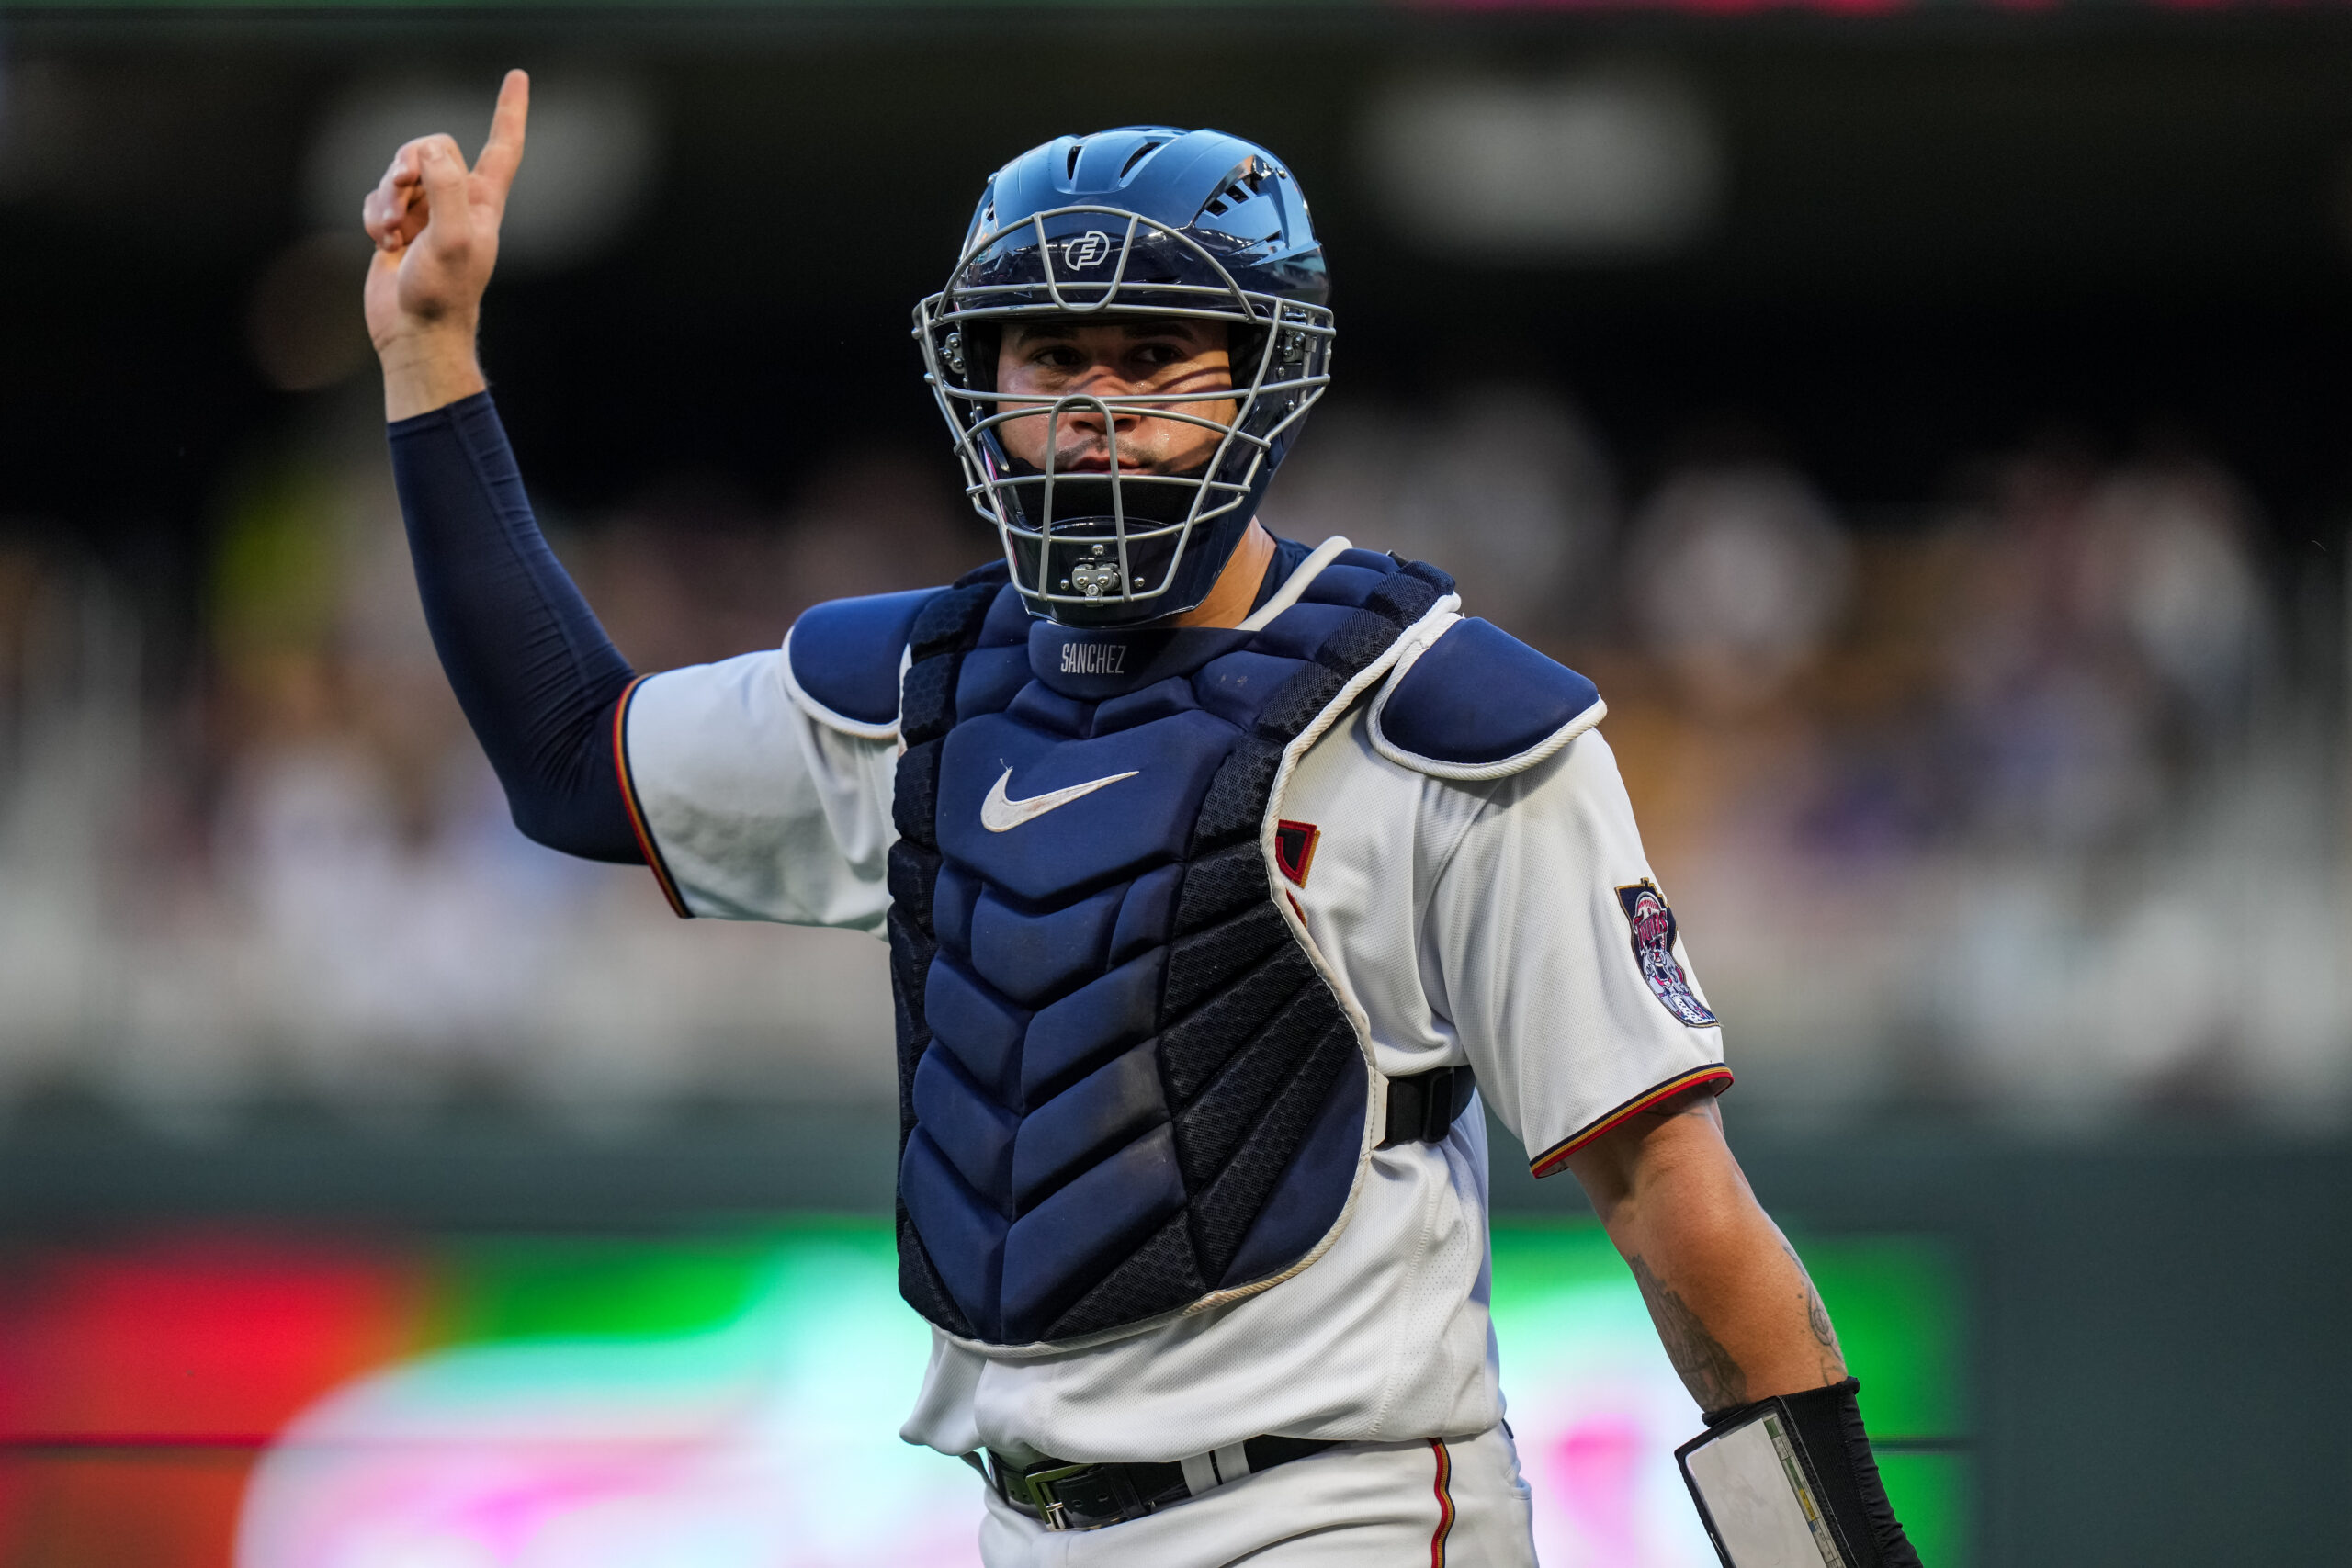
(1595, 1468)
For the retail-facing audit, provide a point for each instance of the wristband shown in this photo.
(1789, 1482)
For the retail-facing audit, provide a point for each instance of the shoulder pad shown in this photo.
(1476, 703)
(842, 660)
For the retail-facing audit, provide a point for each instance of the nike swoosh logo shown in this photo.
(1000, 813)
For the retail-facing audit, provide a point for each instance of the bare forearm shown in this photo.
(1733, 1305)
(1737, 1314)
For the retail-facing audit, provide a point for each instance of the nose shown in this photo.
(1103, 380)
(1079, 410)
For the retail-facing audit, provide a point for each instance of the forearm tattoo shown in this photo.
(1816, 1316)
(1706, 1368)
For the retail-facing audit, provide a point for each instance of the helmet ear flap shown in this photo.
(971, 353)
(1286, 363)
(1243, 345)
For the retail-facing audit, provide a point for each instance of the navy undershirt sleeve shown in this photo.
(538, 678)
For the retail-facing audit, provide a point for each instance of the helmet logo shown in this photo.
(1086, 250)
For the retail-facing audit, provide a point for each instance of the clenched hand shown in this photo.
(434, 223)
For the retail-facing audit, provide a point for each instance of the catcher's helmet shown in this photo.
(1147, 220)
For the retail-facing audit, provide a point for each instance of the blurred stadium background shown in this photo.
(1926, 422)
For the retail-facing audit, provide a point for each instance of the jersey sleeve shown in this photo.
(749, 809)
(1558, 962)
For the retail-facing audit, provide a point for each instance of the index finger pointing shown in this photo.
(504, 150)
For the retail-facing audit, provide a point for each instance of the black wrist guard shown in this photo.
(1834, 1491)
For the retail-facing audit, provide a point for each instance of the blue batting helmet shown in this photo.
(1147, 220)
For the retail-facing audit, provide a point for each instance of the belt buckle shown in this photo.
(1036, 1487)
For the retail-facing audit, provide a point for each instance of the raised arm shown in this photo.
(538, 678)
(1737, 1313)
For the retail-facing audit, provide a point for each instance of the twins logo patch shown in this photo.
(1653, 922)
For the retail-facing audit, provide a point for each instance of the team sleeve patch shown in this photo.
(1653, 922)
(1712, 1078)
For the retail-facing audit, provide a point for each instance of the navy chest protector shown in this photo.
(1125, 1089)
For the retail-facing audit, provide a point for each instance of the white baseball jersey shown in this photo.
(1508, 922)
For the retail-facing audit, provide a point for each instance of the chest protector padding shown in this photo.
(1123, 1085)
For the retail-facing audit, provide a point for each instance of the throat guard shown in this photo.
(1126, 1088)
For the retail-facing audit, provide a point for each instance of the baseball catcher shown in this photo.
(1225, 878)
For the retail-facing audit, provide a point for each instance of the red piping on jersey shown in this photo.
(653, 860)
(1552, 1159)
(1444, 1490)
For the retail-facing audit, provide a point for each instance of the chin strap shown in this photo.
(1829, 1423)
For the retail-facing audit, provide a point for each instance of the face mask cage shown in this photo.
(1115, 546)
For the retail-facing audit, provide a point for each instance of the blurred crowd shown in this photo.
(2025, 803)
(2057, 810)
(2026, 800)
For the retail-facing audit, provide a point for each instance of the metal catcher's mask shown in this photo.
(1192, 225)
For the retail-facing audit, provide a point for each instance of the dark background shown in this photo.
(1944, 233)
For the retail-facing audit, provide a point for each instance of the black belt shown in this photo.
(1087, 1496)
(1422, 1107)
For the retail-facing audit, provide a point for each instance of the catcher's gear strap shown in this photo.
(1475, 702)
(1423, 1107)
(1833, 1456)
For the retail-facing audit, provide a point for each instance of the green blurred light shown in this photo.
(805, 1309)
(1900, 1305)
(1934, 1495)
(631, 1288)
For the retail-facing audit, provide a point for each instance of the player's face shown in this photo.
(1051, 359)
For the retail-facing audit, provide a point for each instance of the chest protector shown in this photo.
(1124, 1088)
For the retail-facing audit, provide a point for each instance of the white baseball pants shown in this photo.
(1428, 1504)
